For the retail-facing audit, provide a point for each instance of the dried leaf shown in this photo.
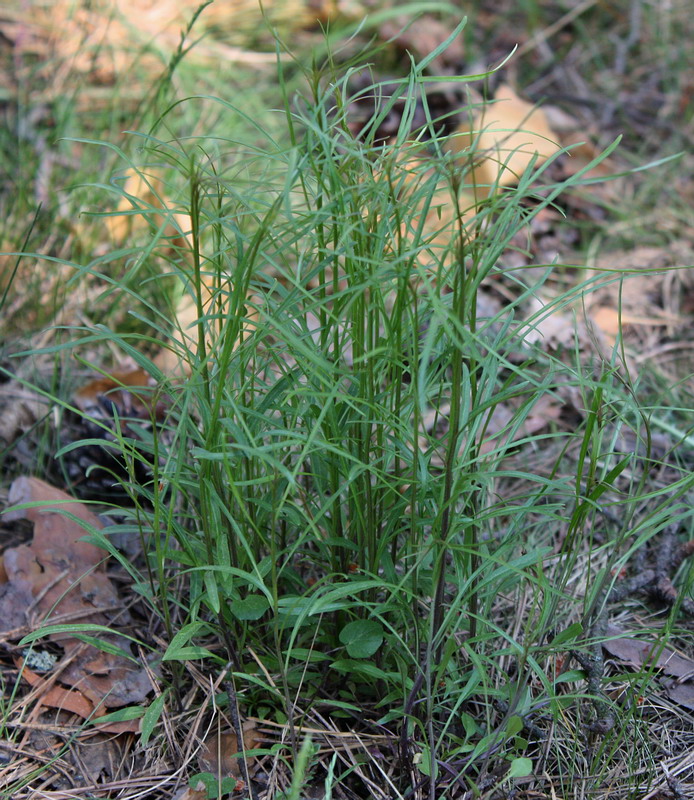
(582, 152)
(95, 392)
(59, 577)
(101, 39)
(57, 544)
(654, 292)
(682, 694)
(123, 404)
(55, 696)
(545, 410)
(640, 652)
(610, 320)
(143, 203)
(560, 121)
(503, 139)
(97, 755)
(192, 794)
(218, 754)
(20, 408)
(552, 328)
(146, 195)
(129, 394)
(125, 726)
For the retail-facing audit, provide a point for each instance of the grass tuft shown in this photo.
(345, 510)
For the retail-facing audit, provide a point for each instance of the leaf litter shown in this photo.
(650, 654)
(61, 579)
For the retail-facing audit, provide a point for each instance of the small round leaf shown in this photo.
(250, 608)
(362, 637)
(520, 768)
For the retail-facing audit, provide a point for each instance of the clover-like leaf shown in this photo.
(362, 637)
(250, 608)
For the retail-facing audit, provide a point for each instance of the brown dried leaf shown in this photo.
(55, 696)
(639, 653)
(560, 121)
(192, 794)
(656, 288)
(440, 218)
(501, 141)
(75, 702)
(58, 577)
(682, 694)
(97, 755)
(218, 754)
(100, 38)
(125, 726)
(144, 202)
(20, 409)
(553, 328)
(115, 389)
(146, 194)
(582, 152)
(56, 548)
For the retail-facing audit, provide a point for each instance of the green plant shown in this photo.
(334, 512)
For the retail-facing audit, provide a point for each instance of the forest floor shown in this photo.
(493, 602)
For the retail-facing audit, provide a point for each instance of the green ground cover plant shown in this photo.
(345, 517)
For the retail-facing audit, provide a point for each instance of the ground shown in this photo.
(402, 487)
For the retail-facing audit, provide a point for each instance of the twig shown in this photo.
(230, 689)
(594, 665)
(404, 745)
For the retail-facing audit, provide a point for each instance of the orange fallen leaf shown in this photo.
(73, 701)
(610, 320)
(55, 696)
(502, 139)
(89, 394)
(124, 726)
